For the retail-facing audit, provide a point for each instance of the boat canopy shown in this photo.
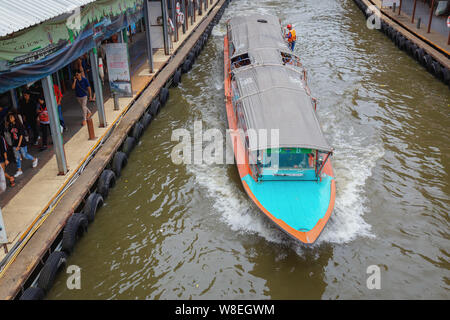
(256, 32)
(274, 97)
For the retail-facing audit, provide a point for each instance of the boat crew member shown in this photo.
(291, 37)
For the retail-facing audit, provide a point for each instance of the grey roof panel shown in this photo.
(273, 95)
(16, 15)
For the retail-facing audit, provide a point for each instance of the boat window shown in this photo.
(288, 158)
(240, 61)
(290, 59)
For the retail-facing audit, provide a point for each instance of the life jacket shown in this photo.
(43, 114)
(292, 36)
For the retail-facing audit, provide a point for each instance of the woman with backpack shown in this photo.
(17, 132)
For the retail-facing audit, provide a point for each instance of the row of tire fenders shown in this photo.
(78, 222)
(418, 53)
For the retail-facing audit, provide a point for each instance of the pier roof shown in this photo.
(16, 15)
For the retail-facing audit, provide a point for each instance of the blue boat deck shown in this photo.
(300, 204)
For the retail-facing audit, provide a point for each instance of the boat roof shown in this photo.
(252, 33)
(273, 95)
(275, 98)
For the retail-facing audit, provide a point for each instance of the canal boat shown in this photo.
(289, 175)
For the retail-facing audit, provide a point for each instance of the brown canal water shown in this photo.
(189, 231)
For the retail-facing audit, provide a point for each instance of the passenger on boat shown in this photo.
(291, 37)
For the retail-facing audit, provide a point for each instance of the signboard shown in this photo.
(3, 237)
(390, 3)
(118, 64)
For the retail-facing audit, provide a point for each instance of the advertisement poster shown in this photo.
(118, 64)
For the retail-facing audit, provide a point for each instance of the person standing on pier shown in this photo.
(28, 112)
(44, 121)
(291, 37)
(17, 131)
(82, 89)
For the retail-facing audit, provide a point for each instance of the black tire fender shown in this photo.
(176, 79)
(119, 162)
(187, 65)
(437, 70)
(32, 293)
(427, 61)
(54, 263)
(146, 120)
(163, 96)
(138, 129)
(93, 203)
(197, 49)
(128, 145)
(75, 227)
(446, 75)
(155, 106)
(420, 53)
(106, 181)
(191, 56)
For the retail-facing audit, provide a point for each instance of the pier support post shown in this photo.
(400, 7)
(98, 88)
(147, 34)
(55, 127)
(414, 11)
(183, 9)
(14, 99)
(165, 27)
(431, 16)
(174, 20)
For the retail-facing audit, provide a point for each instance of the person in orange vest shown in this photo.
(44, 122)
(291, 37)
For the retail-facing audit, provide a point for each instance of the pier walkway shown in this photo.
(24, 205)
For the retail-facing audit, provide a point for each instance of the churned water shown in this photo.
(189, 231)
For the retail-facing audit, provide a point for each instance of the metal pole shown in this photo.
(194, 3)
(55, 127)
(414, 11)
(98, 88)
(191, 11)
(431, 16)
(14, 99)
(147, 34)
(165, 27)
(174, 20)
(183, 9)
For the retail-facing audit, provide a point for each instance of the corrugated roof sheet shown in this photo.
(273, 95)
(16, 15)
